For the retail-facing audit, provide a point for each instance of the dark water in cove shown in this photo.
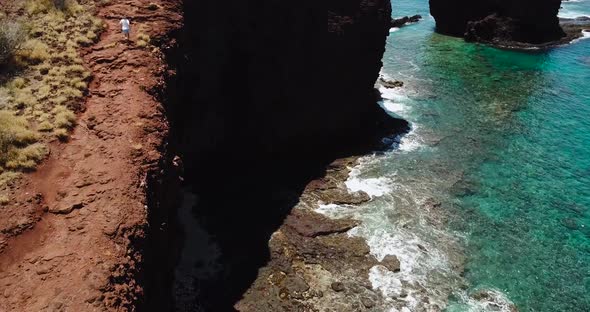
(500, 149)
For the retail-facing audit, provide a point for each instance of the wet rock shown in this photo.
(570, 223)
(296, 284)
(367, 302)
(392, 263)
(464, 188)
(337, 286)
(343, 197)
(422, 248)
(399, 22)
(311, 224)
(390, 84)
(494, 300)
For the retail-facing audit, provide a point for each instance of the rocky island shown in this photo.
(518, 24)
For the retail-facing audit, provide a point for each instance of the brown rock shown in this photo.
(65, 208)
(337, 286)
(296, 284)
(367, 302)
(391, 263)
(311, 224)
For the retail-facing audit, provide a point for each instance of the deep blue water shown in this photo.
(502, 141)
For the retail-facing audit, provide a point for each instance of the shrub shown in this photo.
(27, 157)
(33, 51)
(12, 36)
(64, 118)
(14, 131)
(44, 6)
(45, 126)
(16, 151)
(142, 40)
(24, 98)
(17, 83)
(61, 134)
(84, 41)
(75, 69)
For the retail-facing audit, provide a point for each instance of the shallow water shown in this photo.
(500, 151)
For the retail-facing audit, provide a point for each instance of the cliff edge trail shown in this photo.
(67, 241)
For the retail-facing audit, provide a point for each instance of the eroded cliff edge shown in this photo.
(501, 22)
(82, 231)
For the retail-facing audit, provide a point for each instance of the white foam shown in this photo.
(393, 94)
(497, 302)
(585, 35)
(410, 143)
(393, 29)
(374, 187)
(386, 281)
(333, 210)
(568, 13)
(395, 107)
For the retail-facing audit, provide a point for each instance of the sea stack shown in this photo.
(501, 22)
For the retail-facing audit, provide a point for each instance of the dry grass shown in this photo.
(143, 40)
(39, 104)
(33, 51)
(61, 134)
(18, 147)
(4, 200)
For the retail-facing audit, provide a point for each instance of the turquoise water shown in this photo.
(502, 140)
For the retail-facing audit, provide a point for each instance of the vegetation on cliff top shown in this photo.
(42, 78)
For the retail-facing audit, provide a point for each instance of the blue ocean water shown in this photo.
(501, 152)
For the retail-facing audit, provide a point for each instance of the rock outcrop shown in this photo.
(501, 22)
(269, 94)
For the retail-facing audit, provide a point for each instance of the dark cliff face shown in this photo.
(499, 21)
(279, 76)
(267, 94)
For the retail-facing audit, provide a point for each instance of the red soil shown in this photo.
(66, 237)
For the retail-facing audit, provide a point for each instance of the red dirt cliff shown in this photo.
(70, 241)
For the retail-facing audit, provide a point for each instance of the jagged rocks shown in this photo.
(400, 22)
(390, 84)
(315, 264)
(311, 224)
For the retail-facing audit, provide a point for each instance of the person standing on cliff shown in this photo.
(125, 27)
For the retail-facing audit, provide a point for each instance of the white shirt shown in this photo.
(124, 24)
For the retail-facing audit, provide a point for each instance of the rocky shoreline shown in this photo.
(314, 264)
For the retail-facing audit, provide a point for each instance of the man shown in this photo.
(125, 26)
